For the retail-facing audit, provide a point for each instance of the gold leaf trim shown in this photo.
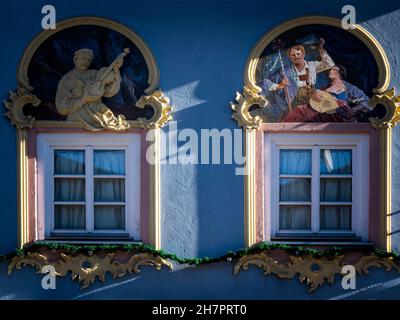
(314, 272)
(154, 74)
(391, 102)
(373, 261)
(242, 105)
(15, 104)
(161, 107)
(35, 260)
(86, 269)
(136, 262)
(363, 34)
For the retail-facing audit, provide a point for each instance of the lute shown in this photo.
(104, 76)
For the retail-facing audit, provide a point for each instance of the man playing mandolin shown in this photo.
(80, 91)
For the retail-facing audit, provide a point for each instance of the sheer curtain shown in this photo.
(68, 189)
(337, 190)
(335, 218)
(335, 161)
(109, 189)
(110, 162)
(295, 161)
(69, 217)
(293, 189)
(69, 161)
(295, 218)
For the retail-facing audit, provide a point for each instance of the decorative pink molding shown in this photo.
(260, 186)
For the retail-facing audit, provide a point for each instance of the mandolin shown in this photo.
(327, 103)
(103, 77)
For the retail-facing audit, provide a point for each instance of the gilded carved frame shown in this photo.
(24, 95)
(251, 96)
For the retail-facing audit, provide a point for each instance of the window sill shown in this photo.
(89, 240)
(322, 242)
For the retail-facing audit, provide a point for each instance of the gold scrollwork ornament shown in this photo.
(241, 108)
(86, 269)
(15, 106)
(391, 102)
(314, 272)
(161, 107)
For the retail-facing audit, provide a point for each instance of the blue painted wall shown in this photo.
(214, 281)
(201, 48)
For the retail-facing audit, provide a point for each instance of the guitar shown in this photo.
(103, 77)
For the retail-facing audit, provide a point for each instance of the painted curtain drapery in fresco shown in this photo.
(317, 73)
(53, 59)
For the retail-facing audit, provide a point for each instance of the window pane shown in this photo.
(109, 162)
(337, 190)
(69, 162)
(69, 189)
(109, 217)
(109, 190)
(69, 217)
(295, 161)
(336, 161)
(295, 218)
(293, 189)
(335, 218)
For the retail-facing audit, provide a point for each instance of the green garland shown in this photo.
(229, 256)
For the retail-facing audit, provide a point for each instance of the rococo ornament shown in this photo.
(315, 272)
(241, 108)
(85, 268)
(15, 106)
(161, 107)
(391, 102)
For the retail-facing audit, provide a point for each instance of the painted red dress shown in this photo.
(344, 113)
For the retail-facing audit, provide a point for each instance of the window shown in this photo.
(316, 186)
(89, 185)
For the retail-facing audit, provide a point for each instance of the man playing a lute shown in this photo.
(80, 91)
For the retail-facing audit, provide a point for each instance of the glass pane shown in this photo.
(109, 190)
(295, 161)
(337, 190)
(69, 217)
(69, 162)
(66, 189)
(336, 161)
(109, 217)
(335, 218)
(293, 189)
(295, 218)
(109, 162)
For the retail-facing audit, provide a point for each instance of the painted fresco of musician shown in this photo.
(79, 93)
(296, 82)
(339, 101)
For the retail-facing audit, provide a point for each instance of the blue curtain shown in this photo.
(295, 162)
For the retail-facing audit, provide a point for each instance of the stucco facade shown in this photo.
(201, 48)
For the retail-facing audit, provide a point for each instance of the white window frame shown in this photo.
(359, 143)
(47, 143)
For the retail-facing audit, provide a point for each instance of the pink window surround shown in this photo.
(323, 128)
(34, 221)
